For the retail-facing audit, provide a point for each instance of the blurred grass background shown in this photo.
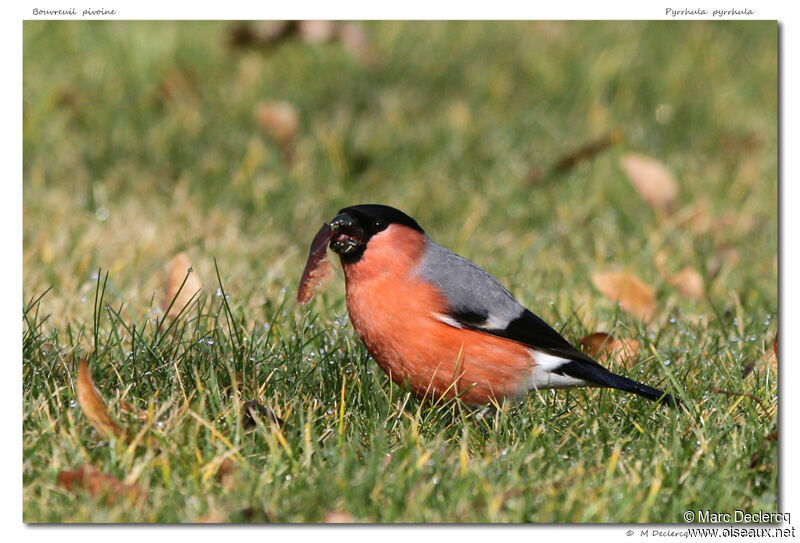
(142, 139)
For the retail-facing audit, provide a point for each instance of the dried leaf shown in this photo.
(100, 484)
(651, 179)
(318, 269)
(93, 406)
(770, 357)
(689, 282)
(317, 31)
(775, 345)
(633, 295)
(698, 217)
(265, 33)
(213, 517)
(586, 152)
(179, 267)
(605, 347)
(226, 471)
(356, 41)
(338, 517)
(279, 120)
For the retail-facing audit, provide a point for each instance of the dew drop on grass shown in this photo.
(210, 341)
(288, 477)
(73, 404)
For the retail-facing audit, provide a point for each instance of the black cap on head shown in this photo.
(354, 226)
(381, 215)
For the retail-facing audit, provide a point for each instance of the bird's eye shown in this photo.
(378, 225)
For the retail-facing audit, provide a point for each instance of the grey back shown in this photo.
(474, 296)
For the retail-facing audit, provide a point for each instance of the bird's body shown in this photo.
(394, 312)
(444, 326)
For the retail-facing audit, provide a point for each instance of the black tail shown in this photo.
(596, 373)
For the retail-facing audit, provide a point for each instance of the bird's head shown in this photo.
(354, 227)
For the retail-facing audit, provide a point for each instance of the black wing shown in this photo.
(532, 331)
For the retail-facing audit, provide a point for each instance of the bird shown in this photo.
(436, 322)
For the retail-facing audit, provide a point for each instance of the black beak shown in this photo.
(342, 223)
(347, 237)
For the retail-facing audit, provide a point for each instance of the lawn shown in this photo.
(143, 140)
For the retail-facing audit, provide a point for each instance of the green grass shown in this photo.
(140, 141)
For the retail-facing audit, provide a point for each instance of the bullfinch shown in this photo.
(437, 322)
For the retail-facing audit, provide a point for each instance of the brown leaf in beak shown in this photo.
(318, 269)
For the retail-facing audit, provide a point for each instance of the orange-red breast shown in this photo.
(438, 322)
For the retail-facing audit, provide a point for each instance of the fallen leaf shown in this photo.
(225, 473)
(569, 161)
(605, 347)
(179, 294)
(265, 33)
(100, 484)
(771, 356)
(689, 282)
(338, 517)
(633, 295)
(651, 179)
(214, 517)
(724, 256)
(697, 217)
(280, 121)
(93, 406)
(318, 268)
(317, 31)
(356, 41)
